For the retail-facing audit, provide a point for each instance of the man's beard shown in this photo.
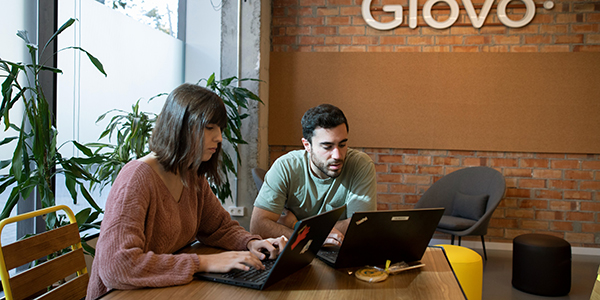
(323, 167)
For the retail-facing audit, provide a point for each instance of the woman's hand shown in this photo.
(274, 246)
(227, 261)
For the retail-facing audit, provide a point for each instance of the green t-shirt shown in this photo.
(290, 184)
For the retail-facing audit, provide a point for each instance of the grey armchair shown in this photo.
(469, 197)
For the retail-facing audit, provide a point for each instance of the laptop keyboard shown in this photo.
(252, 275)
(329, 254)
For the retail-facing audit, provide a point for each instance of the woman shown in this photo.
(162, 202)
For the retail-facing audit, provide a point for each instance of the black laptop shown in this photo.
(376, 236)
(300, 250)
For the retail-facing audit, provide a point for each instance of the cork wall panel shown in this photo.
(525, 102)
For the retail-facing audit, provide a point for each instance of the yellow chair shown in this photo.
(468, 267)
(37, 279)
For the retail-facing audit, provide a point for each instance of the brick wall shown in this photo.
(557, 194)
(337, 25)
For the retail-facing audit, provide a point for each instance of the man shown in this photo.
(323, 176)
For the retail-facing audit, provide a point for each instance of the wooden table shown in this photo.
(318, 281)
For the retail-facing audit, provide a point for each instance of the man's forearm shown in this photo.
(264, 223)
(342, 225)
(268, 229)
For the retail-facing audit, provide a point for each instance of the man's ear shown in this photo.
(306, 145)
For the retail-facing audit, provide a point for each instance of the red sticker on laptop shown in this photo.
(301, 236)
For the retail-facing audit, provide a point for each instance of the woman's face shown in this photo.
(212, 138)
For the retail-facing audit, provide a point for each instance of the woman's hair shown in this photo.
(178, 135)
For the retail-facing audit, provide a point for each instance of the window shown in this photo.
(158, 14)
(140, 63)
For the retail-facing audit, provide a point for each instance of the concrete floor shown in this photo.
(497, 276)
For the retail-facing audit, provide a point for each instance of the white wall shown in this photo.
(16, 15)
(203, 41)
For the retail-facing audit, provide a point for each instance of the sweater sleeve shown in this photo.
(217, 229)
(121, 257)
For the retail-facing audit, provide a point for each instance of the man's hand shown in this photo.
(287, 218)
(274, 246)
(335, 238)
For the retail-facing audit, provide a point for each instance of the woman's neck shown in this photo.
(172, 181)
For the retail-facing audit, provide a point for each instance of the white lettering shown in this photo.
(412, 13)
(529, 14)
(368, 17)
(454, 11)
(477, 20)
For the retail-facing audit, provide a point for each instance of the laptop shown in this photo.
(376, 236)
(302, 247)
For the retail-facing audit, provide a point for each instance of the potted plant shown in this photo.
(234, 97)
(133, 129)
(37, 158)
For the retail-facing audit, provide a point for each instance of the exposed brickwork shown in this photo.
(557, 194)
(338, 26)
(539, 198)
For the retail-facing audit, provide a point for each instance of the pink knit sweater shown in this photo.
(143, 225)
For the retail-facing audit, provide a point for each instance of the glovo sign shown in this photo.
(476, 19)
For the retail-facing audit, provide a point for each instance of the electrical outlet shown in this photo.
(236, 211)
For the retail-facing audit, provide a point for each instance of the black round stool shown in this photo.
(541, 265)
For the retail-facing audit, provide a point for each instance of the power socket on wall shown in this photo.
(236, 211)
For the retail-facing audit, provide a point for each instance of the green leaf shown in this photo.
(7, 89)
(26, 189)
(7, 140)
(89, 249)
(251, 79)
(10, 203)
(94, 159)
(227, 81)
(159, 95)
(17, 162)
(94, 61)
(6, 182)
(83, 215)
(51, 69)
(89, 198)
(83, 149)
(62, 28)
(4, 164)
(97, 145)
(93, 216)
(70, 184)
(23, 35)
(211, 79)
(51, 220)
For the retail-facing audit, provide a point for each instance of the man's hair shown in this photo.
(324, 116)
(178, 135)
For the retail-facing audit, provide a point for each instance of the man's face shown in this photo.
(327, 151)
